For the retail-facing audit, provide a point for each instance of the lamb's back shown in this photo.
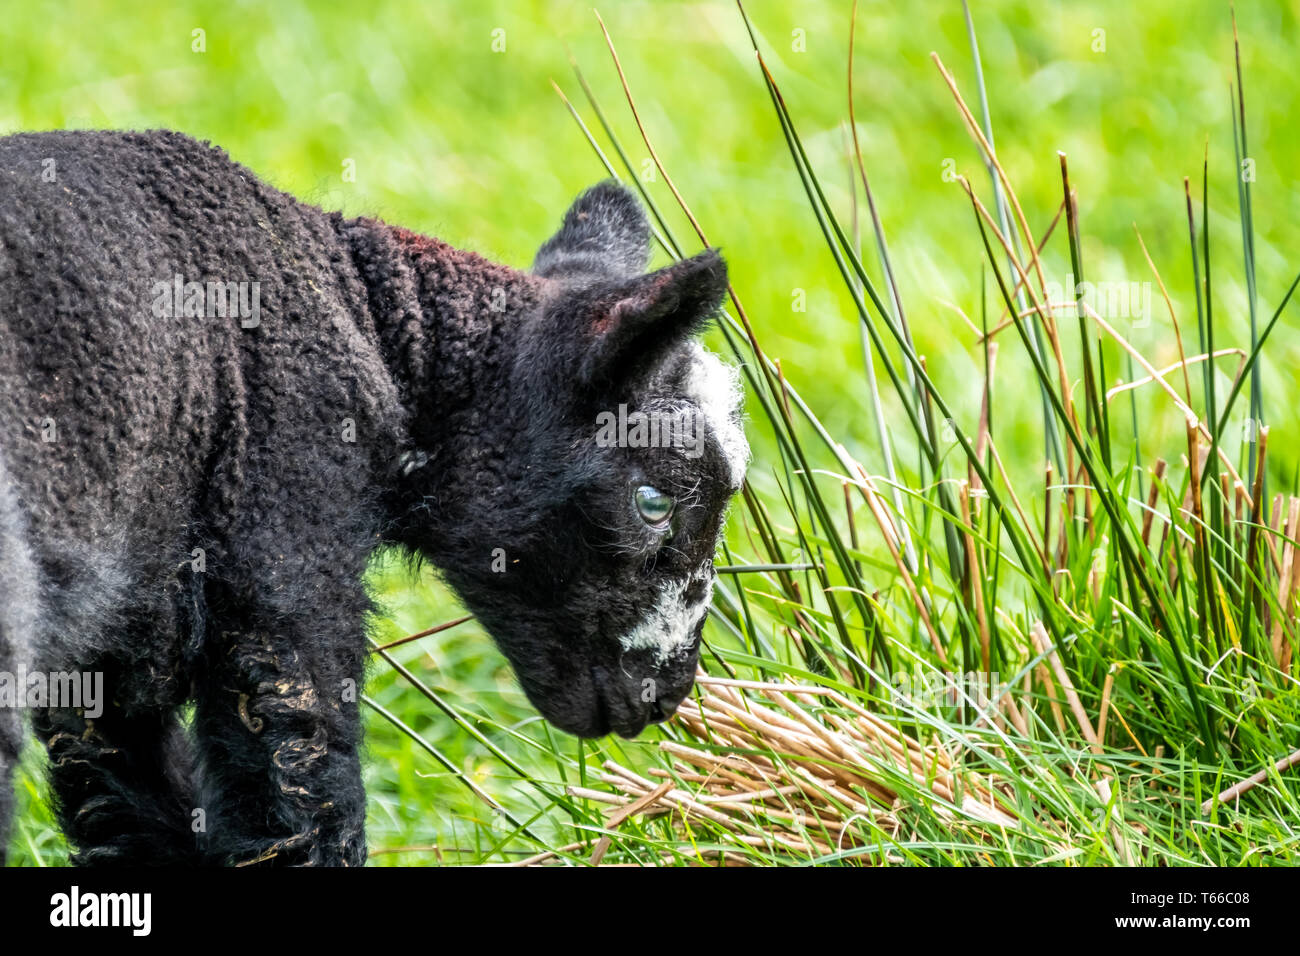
(120, 416)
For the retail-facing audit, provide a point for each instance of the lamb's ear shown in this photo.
(605, 233)
(634, 324)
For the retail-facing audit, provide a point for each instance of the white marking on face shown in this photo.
(669, 625)
(714, 387)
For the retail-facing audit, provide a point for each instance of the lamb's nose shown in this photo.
(663, 708)
(651, 688)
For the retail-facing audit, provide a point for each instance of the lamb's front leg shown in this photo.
(121, 784)
(278, 730)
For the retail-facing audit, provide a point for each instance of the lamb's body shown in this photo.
(124, 434)
(205, 401)
(188, 501)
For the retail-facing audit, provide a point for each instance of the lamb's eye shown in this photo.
(655, 507)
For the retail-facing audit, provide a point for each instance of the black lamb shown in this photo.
(217, 403)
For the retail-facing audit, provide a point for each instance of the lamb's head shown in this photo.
(592, 561)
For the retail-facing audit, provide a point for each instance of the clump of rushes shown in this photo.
(904, 666)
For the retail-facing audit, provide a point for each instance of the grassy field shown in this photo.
(447, 114)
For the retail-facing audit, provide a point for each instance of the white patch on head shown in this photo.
(669, 625)
(715, 389)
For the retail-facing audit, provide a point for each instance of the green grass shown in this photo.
(447, 134)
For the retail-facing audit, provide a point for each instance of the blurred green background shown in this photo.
(446, 113)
